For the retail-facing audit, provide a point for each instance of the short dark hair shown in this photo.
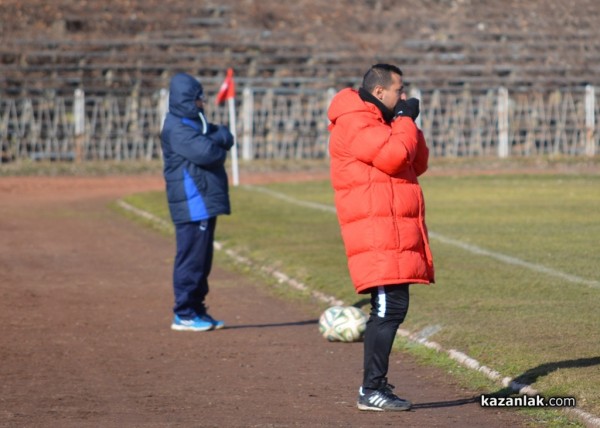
(379, 74)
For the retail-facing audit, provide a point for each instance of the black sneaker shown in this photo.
(382, 400)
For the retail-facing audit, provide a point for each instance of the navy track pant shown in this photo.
(193, 262)
(389, 306)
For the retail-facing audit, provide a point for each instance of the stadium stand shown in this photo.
(52, 48)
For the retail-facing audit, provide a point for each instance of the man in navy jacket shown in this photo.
(194, 153)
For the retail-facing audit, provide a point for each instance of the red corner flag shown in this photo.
(227, 89)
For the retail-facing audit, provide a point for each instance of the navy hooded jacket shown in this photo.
(194, 154)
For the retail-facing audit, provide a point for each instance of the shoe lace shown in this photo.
(207, 317)
(388, 389)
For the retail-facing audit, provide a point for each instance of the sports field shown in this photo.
(86, 308)
(518, 278)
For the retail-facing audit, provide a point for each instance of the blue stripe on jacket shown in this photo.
(190, 122)
(194, 199)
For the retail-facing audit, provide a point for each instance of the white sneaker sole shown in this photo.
(368, 408)
(178, 327)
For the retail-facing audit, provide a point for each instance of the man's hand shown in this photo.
(224, 137)
(409, 108)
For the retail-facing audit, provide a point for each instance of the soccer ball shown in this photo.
(343, 324)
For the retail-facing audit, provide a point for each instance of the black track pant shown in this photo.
(389, 306)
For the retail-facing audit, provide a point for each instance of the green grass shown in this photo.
(539, 328)
(28, 167)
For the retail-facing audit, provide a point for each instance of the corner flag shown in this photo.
(227, 89)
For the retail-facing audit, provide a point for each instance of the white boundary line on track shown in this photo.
(588, 419)
(463, 245)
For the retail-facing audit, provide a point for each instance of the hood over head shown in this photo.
(184, 90)
(348, 101)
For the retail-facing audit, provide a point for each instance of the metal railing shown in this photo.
(274, 124)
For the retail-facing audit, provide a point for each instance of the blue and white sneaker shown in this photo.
(194, 324)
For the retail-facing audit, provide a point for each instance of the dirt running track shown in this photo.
(85, 309)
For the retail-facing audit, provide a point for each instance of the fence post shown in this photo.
(79, 118)
(590, 120)
(329, 97)
(416, 93)
(132, 138)
(163, 106)
(247, 123)
(503, 147)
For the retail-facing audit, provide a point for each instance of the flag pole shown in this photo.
(227, 92)
(234, 151)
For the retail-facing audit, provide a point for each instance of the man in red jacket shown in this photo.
(377, 152)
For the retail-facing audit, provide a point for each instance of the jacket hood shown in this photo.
(348, 101)
(183, 93)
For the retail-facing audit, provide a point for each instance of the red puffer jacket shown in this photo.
(379, 202)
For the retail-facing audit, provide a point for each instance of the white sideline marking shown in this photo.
(284, 197)
(145, 214)
(419, 337)
(514, 261)
(463, 245)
